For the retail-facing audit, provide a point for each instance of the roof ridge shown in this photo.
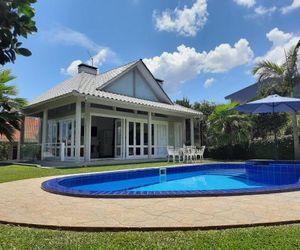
(123, 65)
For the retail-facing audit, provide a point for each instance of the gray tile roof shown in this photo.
(88, 84)
(250, 92)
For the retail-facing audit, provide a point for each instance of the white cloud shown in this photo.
(281, 43)
(224, 57)
(72, 69)
(101, 56)
(294, 5)
(67, 36)
(278, 37)
(261, 10)
(186, 63)
(186, 21)
(208, 82)
(246, 3)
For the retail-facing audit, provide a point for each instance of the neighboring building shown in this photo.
(247, 94)
(31, 136)
(107, 115)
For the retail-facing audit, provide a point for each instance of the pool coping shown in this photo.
(25, 204)
(53, 186)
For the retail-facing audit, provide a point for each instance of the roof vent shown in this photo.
(87, 69)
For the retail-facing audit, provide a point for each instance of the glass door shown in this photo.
(178, 134)
(67, 137)
(161, 139)
(118, 138)
(135, 141)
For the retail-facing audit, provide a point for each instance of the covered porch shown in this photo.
(86, 129)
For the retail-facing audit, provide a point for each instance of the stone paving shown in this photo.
(24, 202)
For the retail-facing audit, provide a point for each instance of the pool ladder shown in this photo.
(162, 174)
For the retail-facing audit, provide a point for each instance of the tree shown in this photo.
(207, 109)
(185, 102)
(10, 115)
(288, 77)
(15, 21)
(264, 124)
(228, 127)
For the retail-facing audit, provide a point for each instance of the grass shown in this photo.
(20, 172)
(13, 237)
(280, 237)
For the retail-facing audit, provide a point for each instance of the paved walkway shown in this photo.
(23, 202)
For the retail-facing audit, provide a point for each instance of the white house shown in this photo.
(107, 115)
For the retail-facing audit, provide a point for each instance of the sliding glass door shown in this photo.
(61, 132)
(135, 135)
(67, 137)
(119, 138)
(138, 139)
(161, 141)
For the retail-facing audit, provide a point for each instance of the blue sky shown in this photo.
(203, 49)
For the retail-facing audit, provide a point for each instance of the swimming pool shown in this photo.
(251, 177)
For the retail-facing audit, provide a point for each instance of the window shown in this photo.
(131, 133)
(138, 138)
(138, 134)
(145, 134)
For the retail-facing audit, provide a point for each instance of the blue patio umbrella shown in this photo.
(271, 104)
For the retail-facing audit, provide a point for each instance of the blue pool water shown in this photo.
(198, 181)
(210, 179)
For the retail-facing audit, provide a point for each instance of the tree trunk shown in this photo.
(296, 137)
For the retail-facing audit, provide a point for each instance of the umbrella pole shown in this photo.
(275, 135)
(276, 144)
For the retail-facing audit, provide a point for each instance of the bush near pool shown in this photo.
(256, 149)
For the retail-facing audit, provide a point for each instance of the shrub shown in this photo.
(30, 151)
(257, 149)
(5, 148)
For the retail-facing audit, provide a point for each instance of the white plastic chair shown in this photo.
(193, 155)
(188, 153)
(172, 152)
(200, 152)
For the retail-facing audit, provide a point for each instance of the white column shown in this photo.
(192, 132)
(124, 141)
(78, 130)
(87, 132)
(184, 132)
(44, 131)
(62, 152)
(149, 135)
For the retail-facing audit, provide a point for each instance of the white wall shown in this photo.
(132, 84)
(123, 85)
(142, 89)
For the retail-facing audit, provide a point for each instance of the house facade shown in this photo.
(248, 93)
(123, 113)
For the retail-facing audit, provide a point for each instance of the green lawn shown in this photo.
(281, 237)
(19, 172)
(12, 237)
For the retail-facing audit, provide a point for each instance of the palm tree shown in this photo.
(10, 115)
(287, 76)
(229, 127)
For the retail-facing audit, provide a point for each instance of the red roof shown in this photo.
(32, 127)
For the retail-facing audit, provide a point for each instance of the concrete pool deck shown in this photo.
(25, 203)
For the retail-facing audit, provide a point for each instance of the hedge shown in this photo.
(256, 149)
(5, 148)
